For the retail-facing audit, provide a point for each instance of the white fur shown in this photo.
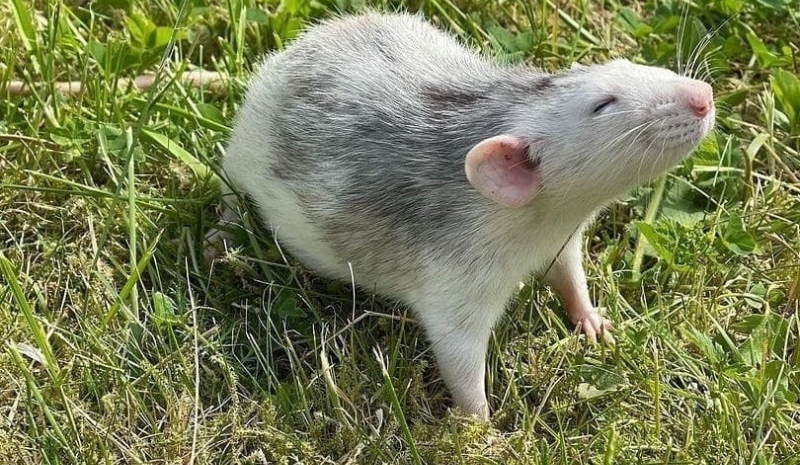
(458, 284)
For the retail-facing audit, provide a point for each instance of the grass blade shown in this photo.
(198, 168)
(127, 289)
(33, 388)
(27, 30)
(7, 271)
(398, 409)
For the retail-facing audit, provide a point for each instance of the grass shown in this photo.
(120, 345)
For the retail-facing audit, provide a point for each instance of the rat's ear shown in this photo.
(500, 169)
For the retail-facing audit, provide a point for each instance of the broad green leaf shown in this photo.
(786, 87)
(504, 38)
(776, 374)
(731, 7)
(139, 27)
(658, 242)
(286, 306)
(631, 22)
(525, 41)
(98, 51)
(293, 7)
(679, 205)
(762, 53)
(163, 310)
(115, 57)
(667, 24)
(707, 153)
(257, 15)
(733, 98)
(749, 323)
(756, 296)
(211, 113)
(112, 140)
(711, 350)
(736, 238)
(160, 37)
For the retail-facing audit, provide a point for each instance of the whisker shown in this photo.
(641, 128)
(647, 150)
(681, 32)
(597, 159)
(710, 71)
(703, 43)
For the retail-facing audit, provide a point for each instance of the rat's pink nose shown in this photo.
(698, 96)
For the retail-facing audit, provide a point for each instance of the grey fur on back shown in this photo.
(334, 101)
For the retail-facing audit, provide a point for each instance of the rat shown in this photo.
(377, 147)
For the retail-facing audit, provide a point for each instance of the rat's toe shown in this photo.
(592, 324)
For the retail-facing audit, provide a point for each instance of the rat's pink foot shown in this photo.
(592, 323)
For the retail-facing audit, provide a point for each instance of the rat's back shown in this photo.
(378, 146)
(372, 79)
(351, 142)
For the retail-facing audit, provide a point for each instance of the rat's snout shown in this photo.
(697, 96)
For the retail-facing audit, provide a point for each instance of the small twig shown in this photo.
(20, 137)
(367, 313)
(200, 78)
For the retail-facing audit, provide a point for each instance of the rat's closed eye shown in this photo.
(604, 105)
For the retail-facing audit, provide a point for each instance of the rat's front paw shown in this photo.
(592, 323)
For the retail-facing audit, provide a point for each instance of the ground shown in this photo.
(119, 344)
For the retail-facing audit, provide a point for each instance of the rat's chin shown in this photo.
(706, 126)
(682, 145)
(678, 154)
(681, 139)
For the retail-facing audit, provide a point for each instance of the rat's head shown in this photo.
(593, 133)
(622, 112)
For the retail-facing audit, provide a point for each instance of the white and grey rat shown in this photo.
(442, 178)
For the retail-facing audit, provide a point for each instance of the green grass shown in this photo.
(120, 346)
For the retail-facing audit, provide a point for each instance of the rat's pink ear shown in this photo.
(500, 169)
